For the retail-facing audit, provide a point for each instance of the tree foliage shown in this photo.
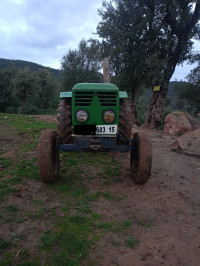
(189, 92)
(47, 88)
(6, 86)
(82, 64)
(147, 39)
(23, 86)
(26, 91)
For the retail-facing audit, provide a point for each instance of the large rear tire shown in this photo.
(125, 120)
(48, 156)
(141, 158)
(64, 121)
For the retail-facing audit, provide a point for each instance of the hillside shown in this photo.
(33, 66)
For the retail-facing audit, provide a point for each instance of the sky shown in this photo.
(43, 31)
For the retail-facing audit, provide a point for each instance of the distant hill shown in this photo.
(33, 66)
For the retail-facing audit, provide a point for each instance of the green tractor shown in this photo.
(94, 117)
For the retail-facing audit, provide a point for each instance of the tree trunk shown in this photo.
(21, 107)
(134, 110)
(156, 104)
(157, 101)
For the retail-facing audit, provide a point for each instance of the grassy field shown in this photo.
(94, 214)
(54, 224)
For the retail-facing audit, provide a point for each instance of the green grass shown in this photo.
(38, 214)
(5, 190)
(12, 208)
(109, 226)
(75, 228)
(105, 194)
(114, 226)
(5, 244)
(25, 125)
(131, 242)
(27, 169)
(126, 224)
(5, 163)
(68, 243)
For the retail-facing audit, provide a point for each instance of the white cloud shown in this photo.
(42, 31)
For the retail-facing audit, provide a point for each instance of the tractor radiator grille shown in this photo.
(83, 98)
(107, 98)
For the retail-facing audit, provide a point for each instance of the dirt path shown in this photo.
(45, 118)
(164, 213)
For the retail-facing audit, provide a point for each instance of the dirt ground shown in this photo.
(164, 213)
(168, 207)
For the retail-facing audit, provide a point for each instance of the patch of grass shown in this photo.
(26, 125)
(109, 226)
(11, 208)
(83, 206)
(95, 196)
(5, 163)
(5, 190)
(16, 237)
(37, 202)
(20, 220)
(7, 167)
(78, 219)
(93, 159)
(5, 244)
(131, 242)
(111, 170)
(27, 263)
(119, 198)
(126, 224)
(80, 191)
(27, 169)
(116, 243)
(67, 243)
(145, 224)
(37, 215)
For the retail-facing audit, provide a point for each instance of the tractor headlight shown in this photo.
(109, 116)
(82, 115)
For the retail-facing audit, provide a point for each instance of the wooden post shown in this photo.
(106, 64)
(106, 70)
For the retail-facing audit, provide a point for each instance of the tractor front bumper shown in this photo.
(88, 143)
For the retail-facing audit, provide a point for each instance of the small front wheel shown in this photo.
(48, 156)
(141, 158)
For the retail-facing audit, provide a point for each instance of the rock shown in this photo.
(188, 143)
(180, 123)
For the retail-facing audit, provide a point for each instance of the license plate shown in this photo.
(106, 129)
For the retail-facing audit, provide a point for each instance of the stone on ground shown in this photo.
(188, 143)
(180, 123)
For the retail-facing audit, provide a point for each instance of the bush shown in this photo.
(11, 110)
